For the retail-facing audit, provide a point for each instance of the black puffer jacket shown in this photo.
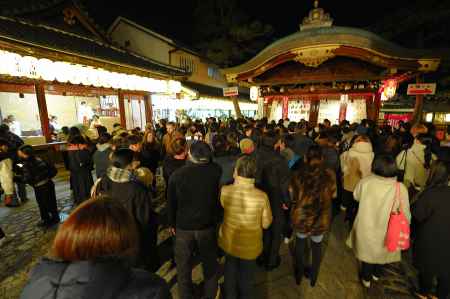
(92, 280)
(272, 176)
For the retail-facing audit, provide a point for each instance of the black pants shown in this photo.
(239, 278)
(351, 205)
(369, 270)
(2, 233)
(272, 240)
(22, 191)
(185, 244)
(149, 257)
(46, 199)
(426, 285)
(316, 248)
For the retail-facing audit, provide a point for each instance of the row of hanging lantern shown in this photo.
(15, 65)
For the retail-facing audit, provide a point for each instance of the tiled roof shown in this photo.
(19, 7)
(51, 38)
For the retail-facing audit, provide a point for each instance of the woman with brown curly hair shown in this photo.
(91, 257)
(312, 190)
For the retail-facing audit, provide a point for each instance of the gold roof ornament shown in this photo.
(316, 18)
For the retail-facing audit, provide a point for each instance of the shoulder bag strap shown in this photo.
(396, 198)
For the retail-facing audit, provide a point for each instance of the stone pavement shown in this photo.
(338, 276)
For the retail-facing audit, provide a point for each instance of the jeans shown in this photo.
(46, 199)
(185, 244)
(369, 270)
(239, 278)
(300, 248)
(426, 285)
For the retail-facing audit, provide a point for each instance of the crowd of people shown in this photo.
(236, 188)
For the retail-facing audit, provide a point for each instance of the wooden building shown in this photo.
(329, 72)
(55, 62)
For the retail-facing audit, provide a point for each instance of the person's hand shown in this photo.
(172, 231)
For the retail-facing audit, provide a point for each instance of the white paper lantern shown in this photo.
(7, 63)
(76, 73)
(62, 71)
(46, 69)
(28, 67)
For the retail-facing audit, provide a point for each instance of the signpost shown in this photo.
(231, 91)
(421, 89)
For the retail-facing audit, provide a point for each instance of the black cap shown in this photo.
(201, 152)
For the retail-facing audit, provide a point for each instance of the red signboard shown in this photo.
(231, 91)
(421, 89)
(395, 119)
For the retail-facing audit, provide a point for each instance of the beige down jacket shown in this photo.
(246, 213)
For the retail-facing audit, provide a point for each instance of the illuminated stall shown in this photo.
(50, 78)
(198, 101)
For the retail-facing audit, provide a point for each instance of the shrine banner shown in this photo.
(395, 119)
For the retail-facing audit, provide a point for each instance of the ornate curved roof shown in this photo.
(331, 37)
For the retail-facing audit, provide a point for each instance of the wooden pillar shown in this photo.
(314, 111)
(237, 109)
(43, 112)
(418, 107)
(148, 108)
(343, 112)
(123, 120)
(285, 108)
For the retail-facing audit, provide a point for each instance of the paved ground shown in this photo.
(338, 276)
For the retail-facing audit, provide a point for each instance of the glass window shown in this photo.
(20, 112)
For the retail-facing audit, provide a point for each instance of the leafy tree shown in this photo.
(225, 34)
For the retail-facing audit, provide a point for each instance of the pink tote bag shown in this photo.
(398, 232)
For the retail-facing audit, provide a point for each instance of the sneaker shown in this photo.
(375, 278)
(42, 223)
(365, 283)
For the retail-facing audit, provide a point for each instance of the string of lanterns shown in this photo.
(15, 65)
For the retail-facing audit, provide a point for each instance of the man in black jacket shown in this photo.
(193, 204)
(272, 177)
(121, 184)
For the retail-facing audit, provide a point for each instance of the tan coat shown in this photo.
(247, 213)
(6, 176)
(356, 164)
(376, 196)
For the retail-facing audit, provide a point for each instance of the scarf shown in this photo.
(119, 175)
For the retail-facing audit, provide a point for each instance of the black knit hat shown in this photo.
(201, 152)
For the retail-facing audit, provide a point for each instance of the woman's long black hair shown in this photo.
(426, 140)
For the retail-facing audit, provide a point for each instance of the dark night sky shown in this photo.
(175, 17)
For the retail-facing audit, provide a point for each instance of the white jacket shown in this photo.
(363, 152)
(375, 195)
(414, 159)
(6, 176)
